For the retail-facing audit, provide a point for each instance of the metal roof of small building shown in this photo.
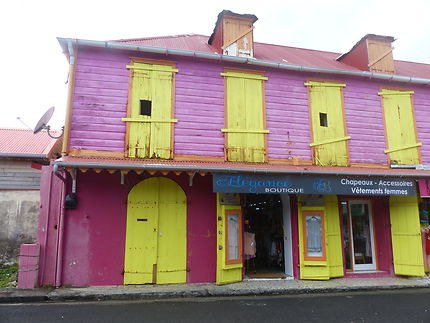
(22, 143)
(274, 53)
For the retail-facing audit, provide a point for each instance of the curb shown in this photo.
(64, 295)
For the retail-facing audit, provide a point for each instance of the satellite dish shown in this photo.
(43, 123)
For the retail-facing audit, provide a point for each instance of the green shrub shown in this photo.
(8, 275)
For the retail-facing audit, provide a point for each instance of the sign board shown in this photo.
(303, 184)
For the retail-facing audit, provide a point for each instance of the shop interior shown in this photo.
(263, 236)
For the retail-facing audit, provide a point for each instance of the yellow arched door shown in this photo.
(155, 250)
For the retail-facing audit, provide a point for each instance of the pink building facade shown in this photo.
(291, 215)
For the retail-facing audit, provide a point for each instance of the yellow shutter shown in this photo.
(172, 233)
(334, 239)
(312, 269)
(406, 236)
(329, 135)
(331, 264)
(142, 218)
(225, 273)
(400, 127)
(245, 132)
(156, 235)
(150, 136)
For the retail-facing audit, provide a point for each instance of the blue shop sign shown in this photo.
(304, 184)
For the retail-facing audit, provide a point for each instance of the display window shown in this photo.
(314, 235)
(233, 254)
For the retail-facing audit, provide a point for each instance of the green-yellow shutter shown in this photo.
(329, 138)
(312, 269)
(332, 265)
(156, 236)
(245, 132)
(225, 273)
(406, 236)
(151, 136)
(400, 127)
(334, 239)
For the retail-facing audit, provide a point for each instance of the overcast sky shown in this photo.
(33, 70)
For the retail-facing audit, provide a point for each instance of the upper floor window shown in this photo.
(245, 131)
(402, 143)
(329, 146)
(150, 110)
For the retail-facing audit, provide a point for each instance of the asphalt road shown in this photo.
(383, 306)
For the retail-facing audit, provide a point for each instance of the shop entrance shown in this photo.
(358, 235)
(264, 237)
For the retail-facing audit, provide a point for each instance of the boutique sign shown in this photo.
(303, 184)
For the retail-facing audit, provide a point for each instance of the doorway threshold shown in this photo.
(366, 272)
(247, 278)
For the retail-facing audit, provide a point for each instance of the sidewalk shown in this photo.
(245, 288)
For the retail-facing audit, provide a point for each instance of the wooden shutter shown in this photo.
(315, 268)
(330, 264)
(156, 235)
(334, 239)
(227, 271)
(402, 145)
(150, 136)
(329, 136)
(245, 119)
(406, 236)
(172, 233)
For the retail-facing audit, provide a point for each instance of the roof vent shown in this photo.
(233, 34)
(372, 53)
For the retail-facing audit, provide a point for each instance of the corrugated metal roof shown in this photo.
(274, 53)
(105, 163)
(193, 42)
(16, 142)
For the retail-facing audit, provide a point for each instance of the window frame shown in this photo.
(315, 125)
(383, 93)
(133, 61)
(253, 74)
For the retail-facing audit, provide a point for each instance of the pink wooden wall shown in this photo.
(94, 238)
(421, 101)
(101, 93)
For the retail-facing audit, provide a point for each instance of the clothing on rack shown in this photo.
(250, 245)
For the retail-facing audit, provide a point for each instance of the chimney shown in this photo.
(372, 53)
(233, 34)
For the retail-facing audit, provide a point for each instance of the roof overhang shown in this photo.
(141, 165)
(24, 156)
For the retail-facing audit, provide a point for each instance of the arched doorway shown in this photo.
(155, 251)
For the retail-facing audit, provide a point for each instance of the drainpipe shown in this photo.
(60, 239)
(235, 59)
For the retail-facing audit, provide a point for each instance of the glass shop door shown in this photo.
(359, 244)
